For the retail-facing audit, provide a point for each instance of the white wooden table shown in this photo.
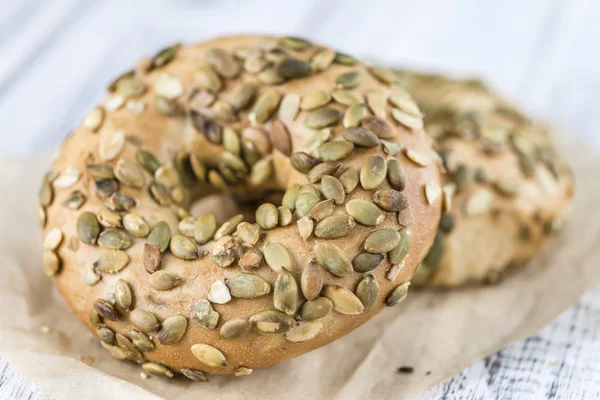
(57, 57)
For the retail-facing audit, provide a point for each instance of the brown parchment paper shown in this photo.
(438, 331)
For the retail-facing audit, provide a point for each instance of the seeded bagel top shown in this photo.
(253, 116)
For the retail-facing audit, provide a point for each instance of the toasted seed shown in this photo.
(305, 227)
(267, 216)
(223, 62)
(395, 174)
(349, 179)
(53, 239)
(364, 212)
(205, 227)
(252, 259)
(305, 330)
(290, 196)
(332, 258)
(348, 80)
(270, 77)
(105, 309)
(420, 157)
(163, 280)
(432, 191)
(365, 262)
(41, 216)
(265, 106)
(130, 351)
(107, 187)
(332, 189)
(247, 286)
(46, 193)
(114, 239)
(285, 293)
(336, 150)
(51, 263)
(398, 253)
(367, 291)
(121, 202)
(194, 375)
(325, 168)
(248, 233)
(406, 217)
(243, 95)
(391, 148)
(209, 355)
(236, 328)
(382, 74)
(377, 102)
(288, 109)
(115, 351)
(157, 369)
(315, 99)
(334, 227)
(106, 335)
(292, 68)
(322, 118)
(405, 102)
(373, 172)
(344, 301)
(93, 120)
(354, 114)
(479, 202)
(186, 226)
(147, 161)
(160, 236)
(321, 210)
(183, 248)
(207, 78)
(123, 296)
(361, 137)
(88, 228)
(226, 250)
(75, 200)
(390, 200)
(203, 312)
(151, 258)
(172, 330)
(303, 162)
(305, 202)
(311, 281)
(346, 97)
(89, 275)
(277, 257)
(317, 139)
(272, 322)
(144, 320)
(228, 226)
(322, 59)
(382, 241)
(436, 252)
(67, 178)
(130, 174)
(378, 126)
(136, 225)
(315, 309)
(398, 294)
(111, 261)
(111, 145)
(507, 187)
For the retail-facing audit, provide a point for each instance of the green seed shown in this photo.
(344, 301)
(365, 262)
(382, 241)
(270, 77)
(384, 75)
(398, 294)
(115, 351)
(321, 210)
(242, 97)
(226, 250)
(334, 227)
(344, 59)
(373, 172)
(277, 257)
(332, 189)
(280, 137)
(130, 174)
(111, 261)
(51, 263)
(147, 160)
(333, 259)
(203, 312)
(164, 56)
(183, 248)
(163, 280)
(265, 106)
(141, 341)
(322, 59)
(406, 217)
(398, 253)
(304, 331)
(285, 293)
(436, 252)
(157, 369)
(361, 137)
(272, 322)
(379, 127)
(314, 100)
(160, 194)
(290, 196)
(228, 226)
(314, 141)
(306, 201)
(208, 79)
(194, 375)
(234, 162)
(75, 200)
(326, 168)
(105, 310)
(311, 281)
(261, 172)
(204, 228)
(248, 233)
(305, 227)
(292, 68)
(303, 162)
(144, 321)
(391, 148)
(136, 225)
(334, 151)
(121, 202)
(349, 179)
(123, 296)
(377, 102)
(348, 80)
(354, 114)
(235, 328)
(131, 353)
(247, 286)
(209, 355)
(364, 212)
(223, 62)
(252, 259)
(315, 309)
(395, 174)
(160, 236)
(295, 43)
(172, 330)
(390, 200)
(367, 291)
(267, 216)
(507, 187)
(88, 228)
(322, 118)
(106, 335)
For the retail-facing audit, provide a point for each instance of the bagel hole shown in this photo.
(225, 206)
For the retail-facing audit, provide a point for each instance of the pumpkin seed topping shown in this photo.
(88, 228)
(51, 263)
(317, 139)
(228, 226)
(315, 100)
(226, 250)
(290, 196)
(248, 233)
(344, 301)
(354, 114)
(507, 187)
(203, 312)
(265, 106)
(285, 293)
(322, 118)
(373, 172)
(322, 59)
(93, 121)
(160, 236)
(288, 109)
(194, 375)
(205, 227)
(111, 261)
(398, 294)
(305, 330)
(172, 330)
(479, 202)
(398, 253)
(315, 309)
(378, 126)
(348, 80)
(395, 174)
(136, 225)
(321, 210)
(382, 241)
(406, 217)
(53, 239)
(325, 168)
(267, 216)
(367, 291)
(377, 102)
(252, 259)
(305, 227)
(305, 202)
(114, 239)
(219, 293)
(432, 192)
(247, 286)
(89, 275)
(123, 296)
(390, 200)
(332, 258)
(334, 227)
(183, 248)
(111, 145)
(277, 257)
(346, 97)
(236, 328)
(332, 189)
(157, 369)
(163, 280)
(349, 179)
(272, 322)
(361, 137)
(223, 62)
(420, 157)
(365, 262)
(106, 335)
(364, 212)
(394, 270)
(209, 355)
(67, 178)
(105, 309)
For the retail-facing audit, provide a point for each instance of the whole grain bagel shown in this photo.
(252, 116)
(510, 190)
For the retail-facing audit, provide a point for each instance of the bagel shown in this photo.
(510, 189)
(337, 143)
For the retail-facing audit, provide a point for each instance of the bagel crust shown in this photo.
(255, 117)
(510, 189)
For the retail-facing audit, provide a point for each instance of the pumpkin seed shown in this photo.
(88, 228)
(311, 281)
(114, 103)
(344, 59)
(344, 301)
(332, 258)
(322, 59)
(130, 174)
(252, 259)
(447, 222)
(223, 62)
(314, 141)
(292, 68)
(130, 351)
(209, 355)
(348, 80)
(147, 161)
(228, 226)
(67, 178)
(160, 236)
(212, 130)
(247, 286)
(280, 137)
(93, 120)
(479, 202)
(391, 148)
(334, 227)
(404, 102)
(75, 200)
(219, 293)
(303, 162)
(315, 309)
(361, 137)
(123, 296)
(267, 216)
(422, 158)
(272, 322)
(398, 253)
(349, 179)
(507, 187)
(295, 43)
(255, 64)
(305, 330)
(163, 280)
(364, 212)
(167, 175)
(373, 172)
(186, 226)
(290, 196)
(164, 56)
(194, 375)
(184, 168)
(354, 114)
(207, 78)
(270, 77)
(406, 217)
(285, 293)
(183, 248)
(288, 109)
(157, 369)
(320, 211)
(376, 101)
(105, 309)
(382, 241)
(315, 100)
(383, 75)
(277, 257)
(261, 171)
(115, 351)
(305, 227)
(204, 228)
(236, 328)
(394, 270)
(322, 117)
(226, 250)
(367, 291)
(243, 95)
(107, 187)
(436, 252)
(106, 335)
(203, 312)
(172, 330)
(390, 200)
(332, 189)
(398, 294)
(168, 87)
(95, 319)
(109, 219)
(41, 216)
(248, 233)
(46, 193)
(378, 126)
(121, 202)
(51, 263)
(111, 261)
(346, 97)
(111, 145)
(365, 262)
(53, 239)
(136, 225)
(305, 202)
(325, 168)
(264, 106)
(151, 258)
(285, 216)
(432, 192)
(336, 150)
(89, 276)
(231, 143)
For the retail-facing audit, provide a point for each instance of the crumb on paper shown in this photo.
(144, 375)
(44, 329)
(405, 370)
(428, 373)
